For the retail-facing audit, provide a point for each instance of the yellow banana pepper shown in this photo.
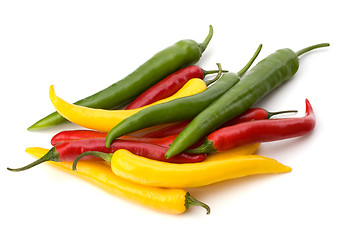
(174, 201)
(218, 167)
(105, 120)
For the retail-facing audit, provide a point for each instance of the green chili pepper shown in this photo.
(179, 109)
(260, 80)
(162, 64)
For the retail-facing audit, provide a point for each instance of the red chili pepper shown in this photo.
(164, 141)
(69, 150)
(257, 131)
(70, 135)
(168, 86)
(66, 136)
(249, 115)
(155, 152)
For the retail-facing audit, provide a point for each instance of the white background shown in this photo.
(83, 46)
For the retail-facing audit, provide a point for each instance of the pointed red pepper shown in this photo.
(65, 136)
(257, 131)
(250, 115)
(169, 85)
(69, 150)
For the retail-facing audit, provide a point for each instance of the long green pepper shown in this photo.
(268, 74)
(179, 109)
(181, 54)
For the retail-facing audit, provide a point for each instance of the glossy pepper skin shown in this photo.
(172, 201)
(217, 167)
(163, 141)
(68, 151)
(249, 115)
(104, 120)
(165, 62)
(258, 131)
(168, 86)
(267, 75)
(69, 135)
(180, 109)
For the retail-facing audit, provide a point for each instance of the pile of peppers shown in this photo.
(178, 130)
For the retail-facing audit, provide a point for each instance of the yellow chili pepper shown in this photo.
(174, 201)
(217, 167)
(105, 120)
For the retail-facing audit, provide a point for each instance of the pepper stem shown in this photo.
(208, 82)
(191, 201)
(270, 114)
(204, 44)
(206, 147)
(249, 64)
(307, 49)
(206, 72)
(105, 156)
(51, 155)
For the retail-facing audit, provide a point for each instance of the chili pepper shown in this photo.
(68, 151)
(170, 85)
(165, 62)
(65, 136)
(153, 151)
(242, 150)
(104, 120)
(267, 75)
(164, 141)
(257, 131)
(215, 168)
(249, 115)
(181, 109)
(173, 201)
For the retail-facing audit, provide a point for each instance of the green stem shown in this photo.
(206, 147)
(213, 71)
(105, 156)
(51, 155)
(307, 49)
(191, 201)
(248, 65)
(208, 82)
(270, 114)
(204, 44)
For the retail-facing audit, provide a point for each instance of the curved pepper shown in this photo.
(257, 131)
(173, 201)
(217, 167)
(171, 84)
(69, 150)
(104, 120)
(70, 135)
(249, 115)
